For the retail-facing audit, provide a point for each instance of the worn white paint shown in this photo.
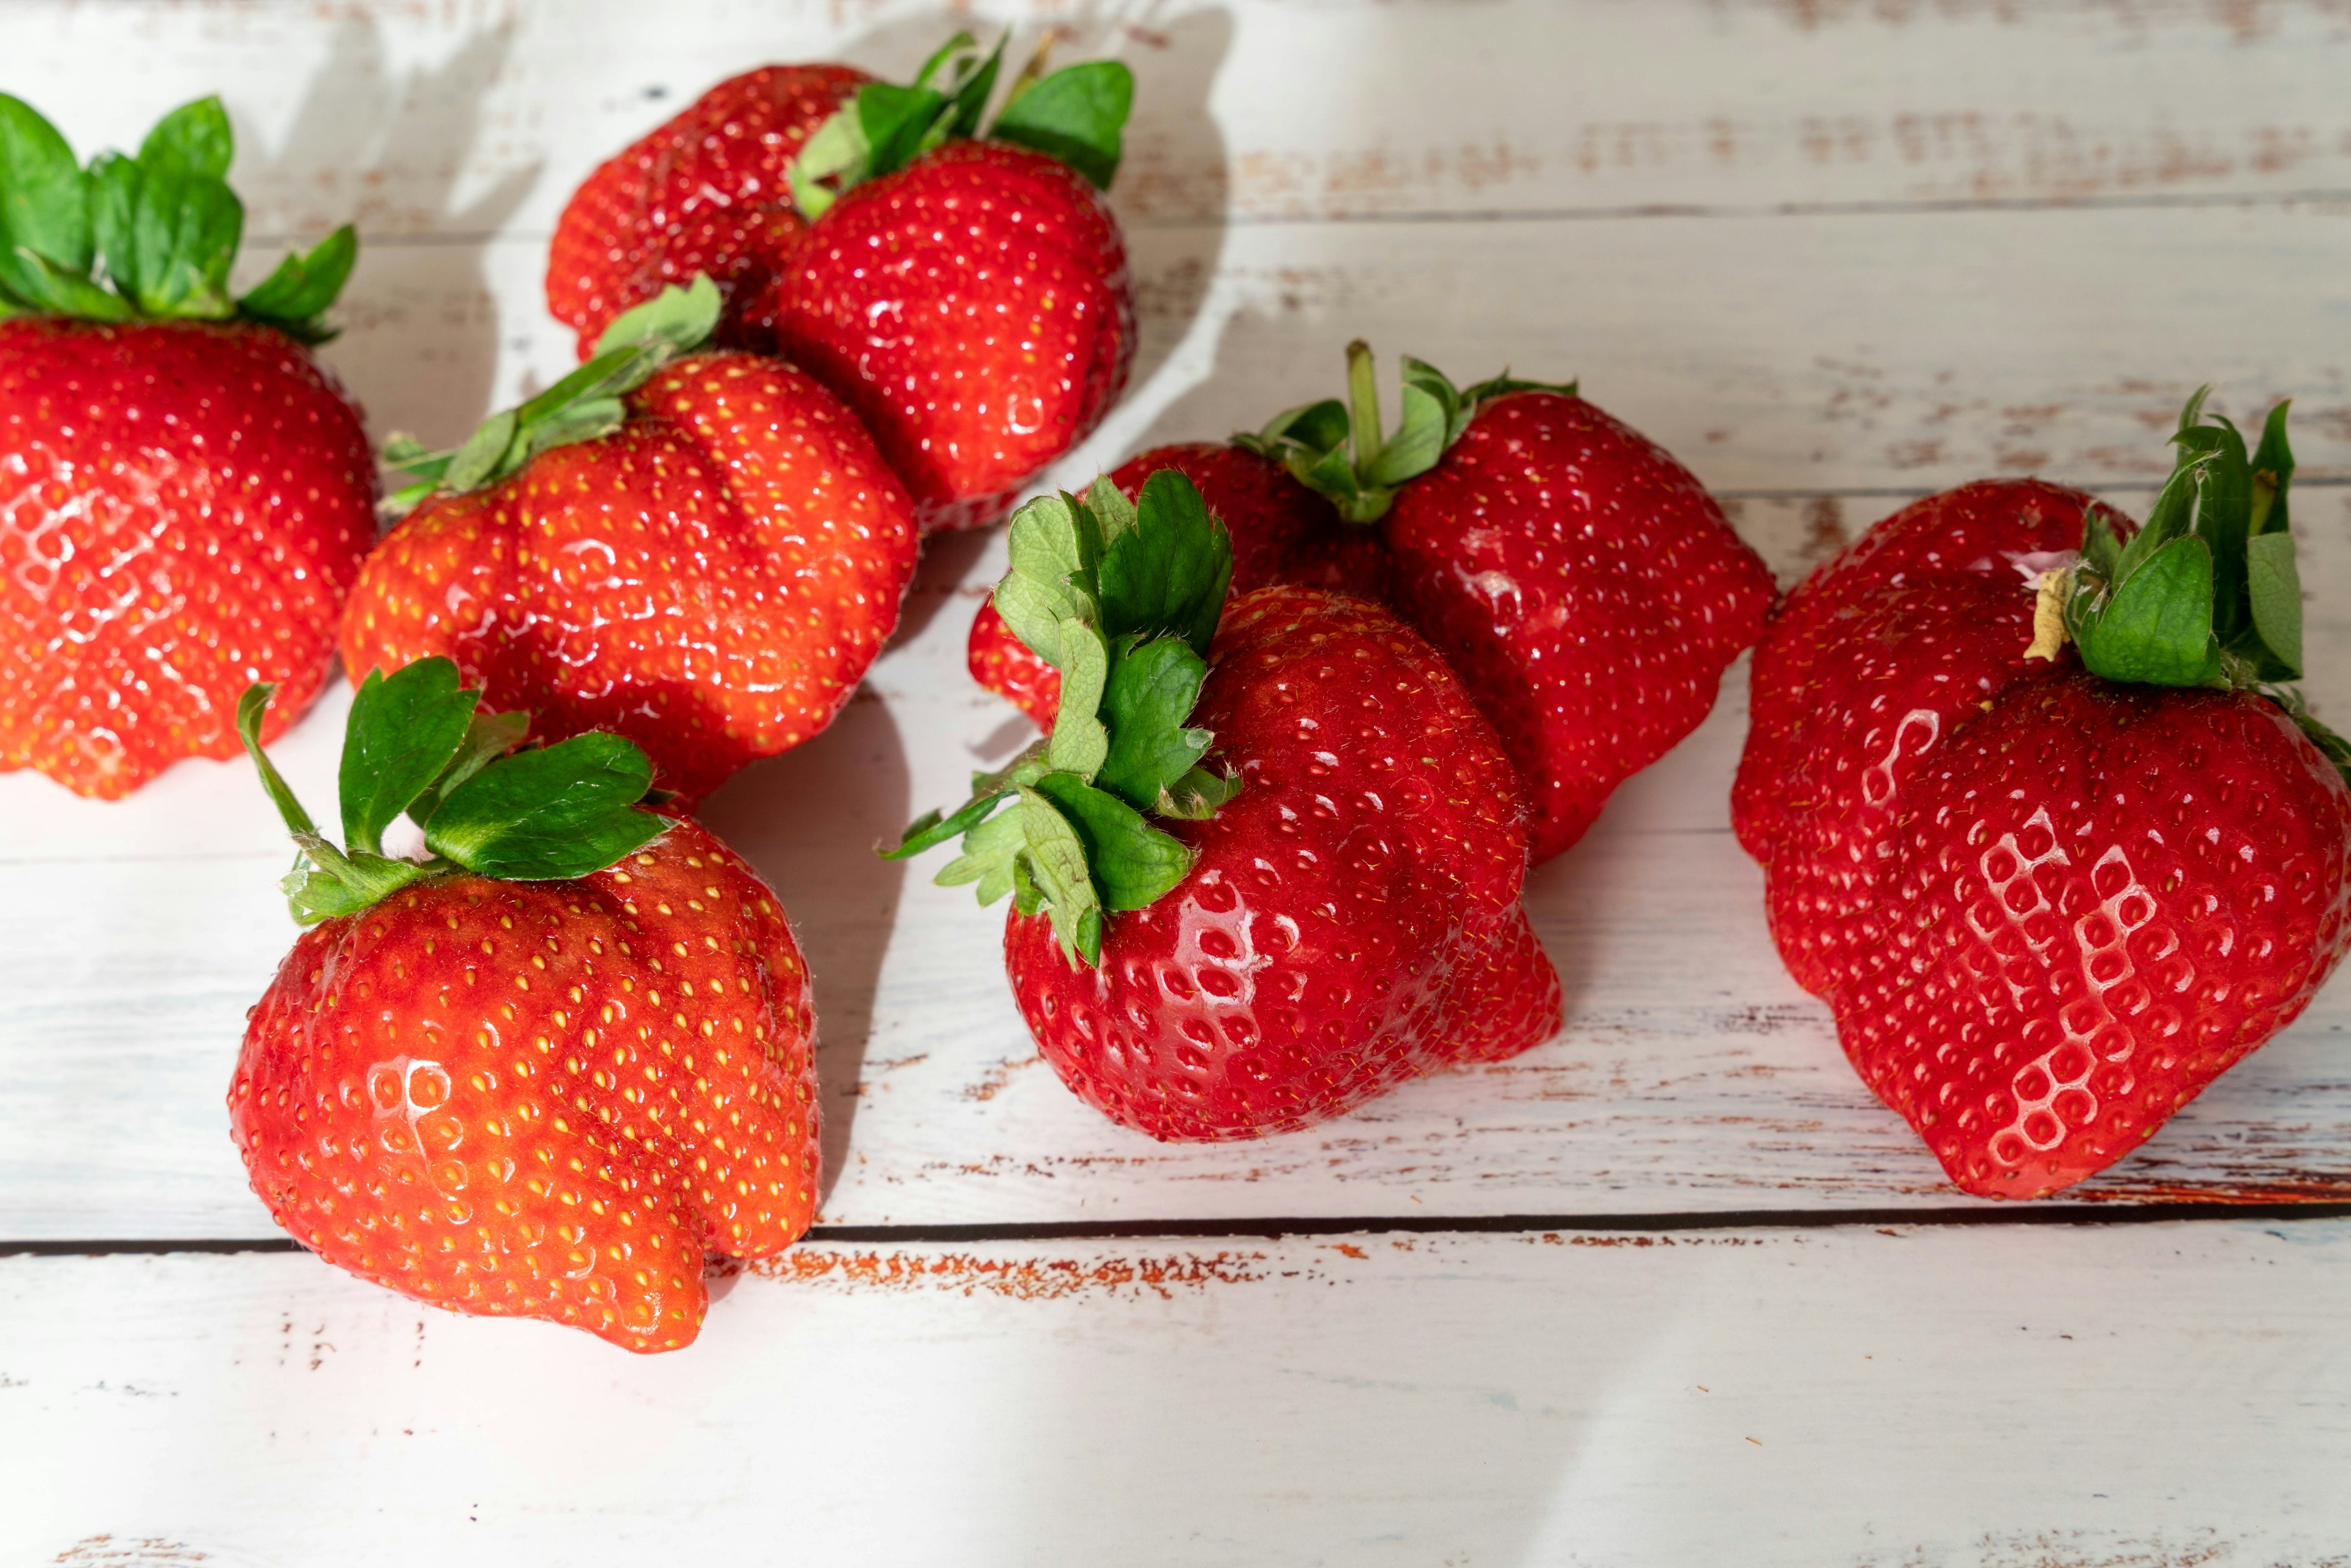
(1830, 251)
(2150, 1397)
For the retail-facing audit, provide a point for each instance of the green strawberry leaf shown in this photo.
(678, 319)
(989, 850)
(1079, 742)
(2272, 472)
(1077, 114)
(114, 185)
(48, 287)
(2274, 586)
(193, 139)
(1055, 860)
(1132, 863)
(1122, 598)
(44, 194)
(2157, 625)
(184, 230)
(2102, 552)
(549, 815)
(403, 732)
(304, 285)
(489, 737)
(1150, 692)
(1169, 573)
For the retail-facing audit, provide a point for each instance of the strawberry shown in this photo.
(1281, 531)
(701, 553)
(541, 1072)
(1214, 945)
(968, 295)
(2036, 818)
(1583, 584)
(707, 192)
(184, 492)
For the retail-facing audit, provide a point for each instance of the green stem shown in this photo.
(1362, 404)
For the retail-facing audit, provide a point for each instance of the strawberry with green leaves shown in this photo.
(700, 551)
(543, 1070)
(1583, 585)
(2038, 819)
(1267, 863)
(963, 284)
(184, 492)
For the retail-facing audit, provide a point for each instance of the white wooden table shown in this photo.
(1671, 1289)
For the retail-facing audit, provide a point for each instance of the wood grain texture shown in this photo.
(2145, 1397)
(468, 116)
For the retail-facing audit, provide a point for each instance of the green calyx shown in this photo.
(414, 744)
(1077, 114)
(1122, 598)
(2207, 592)
(147, 237)
(1337, 448)
(582, 406)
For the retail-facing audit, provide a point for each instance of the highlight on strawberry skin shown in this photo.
(2040, 815)
(702, 551)
(190, 491)
(1584, 586)
(540, 1070)
(1267, 863)
(879, 235)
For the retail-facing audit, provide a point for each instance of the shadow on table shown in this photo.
(809, 820)
(385, 149)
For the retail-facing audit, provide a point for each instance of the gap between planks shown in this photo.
(1276, 1229)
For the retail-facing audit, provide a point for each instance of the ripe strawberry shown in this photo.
(184, 493)
(1281, 531)
(2053, 892)
(1583, 584)
(707, 192)
(540, 1073)
(968, 298)
(1330, 910)
(701, 553)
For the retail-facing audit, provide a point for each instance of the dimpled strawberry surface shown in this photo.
(182, 507)
(1587, 589)
(542, 1099)
(1351, 920)
(711, 580)
(975, 310)
(706, 192)
(2047, 908)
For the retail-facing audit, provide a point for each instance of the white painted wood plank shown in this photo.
(1692, 1075)
(2008, 1397)
(473, 115)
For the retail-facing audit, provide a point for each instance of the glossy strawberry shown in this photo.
(1325, 906)
(2035, 821)
(1581, 583)
(701, 553)
(184, 492)
(1281, 532)
(545, 1072)
(706, 192)
(966, 294)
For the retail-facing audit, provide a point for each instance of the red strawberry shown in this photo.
(1583, 584)
(2053, 892)
(968, 298)
(708, 567)
(1281, 532)
(542, 1073)
(1330, 910)
(707, 192)
(184, 492)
